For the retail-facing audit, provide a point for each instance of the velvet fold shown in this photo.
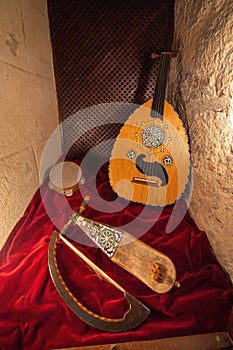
(34, 316)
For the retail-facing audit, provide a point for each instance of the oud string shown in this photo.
(156, 106)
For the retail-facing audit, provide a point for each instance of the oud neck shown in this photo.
(157, 108)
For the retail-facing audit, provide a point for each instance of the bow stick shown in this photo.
(132, 318)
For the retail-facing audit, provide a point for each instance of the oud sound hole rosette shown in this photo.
(152, 136)
(131, 154)
(167, 161)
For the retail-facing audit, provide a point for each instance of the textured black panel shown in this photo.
(102, 54)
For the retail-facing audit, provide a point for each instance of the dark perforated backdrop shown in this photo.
(102, 54)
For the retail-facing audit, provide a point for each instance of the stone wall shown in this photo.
(28, 106)
(201, 88)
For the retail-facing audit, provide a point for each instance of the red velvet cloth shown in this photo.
(33, 315)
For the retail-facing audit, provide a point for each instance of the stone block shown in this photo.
(46, 156)
(28, 109)
(200, 88)
(41, 6)
(37, 38)
(26, 38)
(11, 18)
(18, 182)
(44, 106)
(13, 50)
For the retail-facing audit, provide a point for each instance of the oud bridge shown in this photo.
(144, 181)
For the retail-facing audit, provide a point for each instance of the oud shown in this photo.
(149, 163)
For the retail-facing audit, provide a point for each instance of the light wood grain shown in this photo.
(122, 170)
(139, 259)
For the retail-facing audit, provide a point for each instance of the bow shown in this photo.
(133, 317)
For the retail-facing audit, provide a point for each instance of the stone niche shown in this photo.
(28, 104)
(200, 88)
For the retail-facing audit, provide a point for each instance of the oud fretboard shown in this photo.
(157, 108)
